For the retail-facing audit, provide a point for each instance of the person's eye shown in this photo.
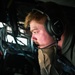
(34, 32)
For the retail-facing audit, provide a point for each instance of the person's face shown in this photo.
(39, 34)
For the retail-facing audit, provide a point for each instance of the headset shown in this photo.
(53, 26)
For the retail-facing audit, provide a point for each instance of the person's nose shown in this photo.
(33, 38)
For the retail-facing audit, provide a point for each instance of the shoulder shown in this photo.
(62, 66)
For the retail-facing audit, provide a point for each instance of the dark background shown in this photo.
(24, 5)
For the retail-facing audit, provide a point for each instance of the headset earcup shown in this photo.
(48, 25)
(54, 28)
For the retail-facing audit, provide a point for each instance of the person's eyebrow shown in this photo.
(33, 29)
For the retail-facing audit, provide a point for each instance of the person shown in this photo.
(41, 22)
